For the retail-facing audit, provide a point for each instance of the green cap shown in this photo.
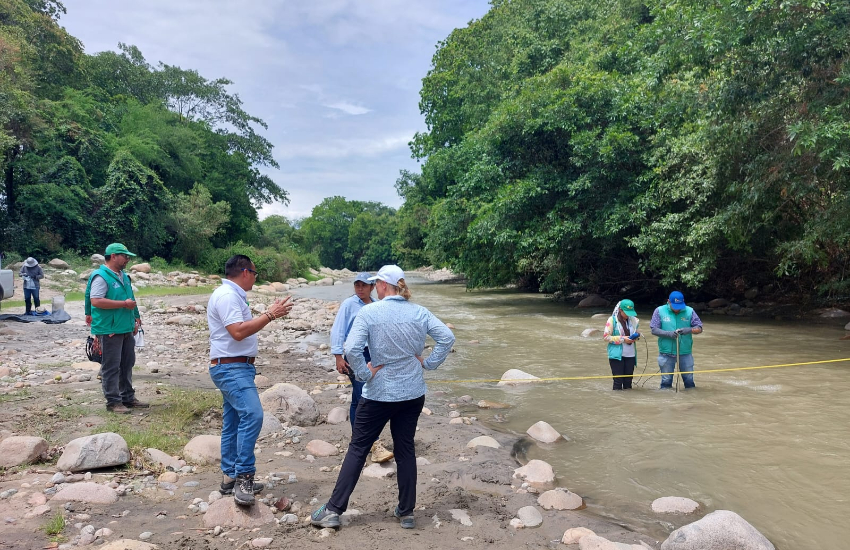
(628, 307)
(117, 248)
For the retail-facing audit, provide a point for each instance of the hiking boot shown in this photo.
(118, 408)
(380, 453)
(136, 404)
(228, 483)
(243, 492)
(407, 522)
(325, 518)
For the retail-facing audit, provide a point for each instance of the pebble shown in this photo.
(146, 535)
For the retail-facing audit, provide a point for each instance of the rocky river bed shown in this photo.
(475, 488)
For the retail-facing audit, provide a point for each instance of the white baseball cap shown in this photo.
(389, 274)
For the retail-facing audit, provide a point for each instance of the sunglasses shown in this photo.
(250, 271)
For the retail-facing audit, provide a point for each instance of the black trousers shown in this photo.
(626, 365)
(371, 418)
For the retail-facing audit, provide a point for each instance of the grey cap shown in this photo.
(364, 277)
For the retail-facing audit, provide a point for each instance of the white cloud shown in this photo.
(342, 148)
(348, 108)
(312, 70)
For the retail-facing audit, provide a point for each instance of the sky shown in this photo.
(337, 81)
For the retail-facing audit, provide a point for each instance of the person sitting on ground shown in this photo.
(31, 274)
(394, 329)
(619, 329)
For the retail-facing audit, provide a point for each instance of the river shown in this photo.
(771, 445)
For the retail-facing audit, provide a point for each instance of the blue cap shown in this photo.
(364, 277)
(677, 300)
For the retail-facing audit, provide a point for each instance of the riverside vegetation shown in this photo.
(620, 146)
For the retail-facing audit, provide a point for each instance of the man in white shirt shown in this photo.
(233, 349)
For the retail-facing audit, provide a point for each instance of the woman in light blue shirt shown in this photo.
(394, 329)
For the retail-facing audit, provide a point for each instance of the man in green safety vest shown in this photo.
(674, 324)
(114, 321)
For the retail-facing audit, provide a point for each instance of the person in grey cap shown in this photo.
(339, 332)
(31, 273)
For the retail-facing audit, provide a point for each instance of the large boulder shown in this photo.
(516, 376)
(674, 505)
(594, 300)
(536, 471)
(203, 449)
(58, 264)
(317, 447)
(719, 302)
(93, 493)
(163, 459)
(529, 516)
(719, 530)
(543, 432)
(270, 425)
(226, 513)
(94, 451)
(590, 333)
(98, 259)
(560, 499)
(142, 268)
(21, 449)
(574, 535)
(290, 404)
(338, 415)
(483, 441)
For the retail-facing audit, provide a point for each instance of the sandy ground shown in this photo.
(457, 478)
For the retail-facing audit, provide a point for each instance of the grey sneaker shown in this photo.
(325, 518)
(407, 522)
(243, 493)
(118, 408)
(228, 483)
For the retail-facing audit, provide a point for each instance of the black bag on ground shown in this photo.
(93, 351)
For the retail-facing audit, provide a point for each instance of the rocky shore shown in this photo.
(64, 460)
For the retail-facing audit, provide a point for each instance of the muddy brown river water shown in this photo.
(772, 445)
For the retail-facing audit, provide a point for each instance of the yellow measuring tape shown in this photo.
(609, 376)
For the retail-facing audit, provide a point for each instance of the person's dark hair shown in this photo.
(234, 266)
(107, 257)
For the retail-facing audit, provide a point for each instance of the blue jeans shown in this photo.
(241, 418)
(31, 295)
(668, 365)
(356, 389)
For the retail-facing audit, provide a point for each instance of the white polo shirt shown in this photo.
(229, 305)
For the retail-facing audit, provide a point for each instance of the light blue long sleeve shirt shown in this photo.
(348, 310)
(395, 330)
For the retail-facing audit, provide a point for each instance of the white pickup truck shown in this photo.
(7, 282)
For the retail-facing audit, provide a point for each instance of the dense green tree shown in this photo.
(633, 144)
(194, 220)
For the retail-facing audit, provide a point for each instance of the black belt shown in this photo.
(226, 360)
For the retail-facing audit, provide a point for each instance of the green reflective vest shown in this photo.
(112, 321)
(670, 321)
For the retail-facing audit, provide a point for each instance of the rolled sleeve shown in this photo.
(444, 338)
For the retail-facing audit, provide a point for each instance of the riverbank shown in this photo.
(466, 496)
